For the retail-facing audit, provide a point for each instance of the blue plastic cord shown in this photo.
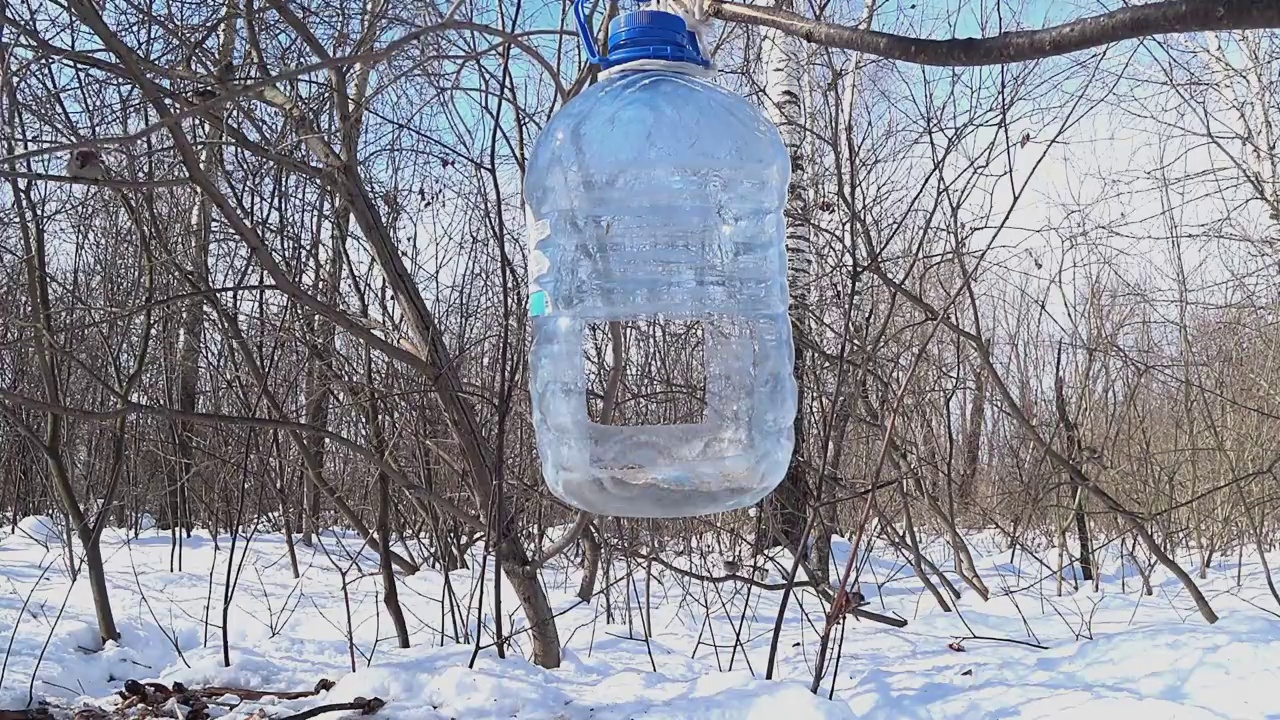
(584, 30)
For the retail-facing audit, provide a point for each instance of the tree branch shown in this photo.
(121, 183)
(564, 543)
(721, 579)
(1129, 23)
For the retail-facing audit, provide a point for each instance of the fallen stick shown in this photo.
(1015, 641)
(366, 707)
(247, 694)
(32, 714)
(877, 617)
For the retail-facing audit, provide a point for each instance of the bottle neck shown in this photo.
(644, 65)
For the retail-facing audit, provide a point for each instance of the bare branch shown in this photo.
(100, 182)
(564, 543)
(1130, 23)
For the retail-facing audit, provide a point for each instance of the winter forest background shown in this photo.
(279, 326)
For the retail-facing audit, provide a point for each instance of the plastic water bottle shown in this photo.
(657, 195)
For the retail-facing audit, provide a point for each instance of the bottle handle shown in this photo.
(585, 32)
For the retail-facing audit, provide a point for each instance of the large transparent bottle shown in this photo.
(657, 195)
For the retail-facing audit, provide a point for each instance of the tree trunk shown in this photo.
(322, 347)
(1082, 537)
(972, 441)
(1074, 455)
(192, 332)
(784, 74)
(475, 449)
(916, 556)
(390, 595)
(32, 232)
(590, 563)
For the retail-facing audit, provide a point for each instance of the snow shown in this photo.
(40, 529)
(1111, 653)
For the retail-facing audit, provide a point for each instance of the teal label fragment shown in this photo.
(539, 304)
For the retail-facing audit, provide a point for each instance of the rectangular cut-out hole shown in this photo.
(663, 379)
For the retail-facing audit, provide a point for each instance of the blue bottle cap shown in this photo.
(651, 35)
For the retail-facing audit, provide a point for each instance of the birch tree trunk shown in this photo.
(784, 74)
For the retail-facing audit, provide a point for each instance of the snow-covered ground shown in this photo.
(1110, 653)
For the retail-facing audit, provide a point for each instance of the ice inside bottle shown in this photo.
(658, 196)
